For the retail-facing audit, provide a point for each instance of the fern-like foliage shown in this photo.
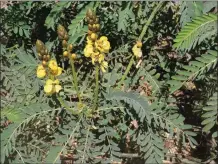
(10, 135)
(210, 114)
(195, 32)
(124, 16)
(151, 147)
(135, 101)
(189, 10)
(202, 65)
(54, 15)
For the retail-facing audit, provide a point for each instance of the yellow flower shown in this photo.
(88, 50)
(55, 70)
(89, 41)
(103, 45)
(137, 51)
(41, 72)
(97, 57)
(103, 66)
(53, 65)
(52, 86)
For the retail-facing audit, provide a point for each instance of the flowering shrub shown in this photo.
(108, 82)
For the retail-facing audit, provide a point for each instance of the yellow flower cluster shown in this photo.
(96, 48)
(51, 70)
(137, 49)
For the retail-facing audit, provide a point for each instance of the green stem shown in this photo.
(95, 105)
(144, 30)
(63, 104)
(75, 82)
(126, 72)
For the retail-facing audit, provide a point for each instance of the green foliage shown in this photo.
(124, 16)
(194, 33)
(77, 29)
(210, 114)
(55, 14)
(140, 117)
(202, 65)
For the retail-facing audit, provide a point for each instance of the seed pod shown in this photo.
(93, 36)
(64, 43)
(70, 47)
(44, 63)
(39, 54)
(39, 45)
(73, 56)
(65, 54)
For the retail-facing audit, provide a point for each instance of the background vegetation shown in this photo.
(166, 109)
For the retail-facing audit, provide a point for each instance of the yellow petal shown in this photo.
(41, 73)
(49, 82)
(103, 38)
(103, 69)
(59, 71)
(56, 82)
(57, 88)
(100, 58)
(48, 89)
(104, 65)
(53, 65)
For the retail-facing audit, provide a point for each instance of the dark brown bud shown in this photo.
(44, 63)
(48, 57)
(45, 57)
(42, 51)
(90, 27)
(70, 47)
(64, 43)
(89, 32)
(66, 37)
(91, 21)
(89, 13)
(61, 32)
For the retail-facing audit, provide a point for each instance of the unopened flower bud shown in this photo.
(70, 47)
(65, 54)
(44, 63)
(61, 32)
(89, 13)
(90, 27)
(93, 36)
(73, 56)
(39, 45)
(64, 43)
(139, 44)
